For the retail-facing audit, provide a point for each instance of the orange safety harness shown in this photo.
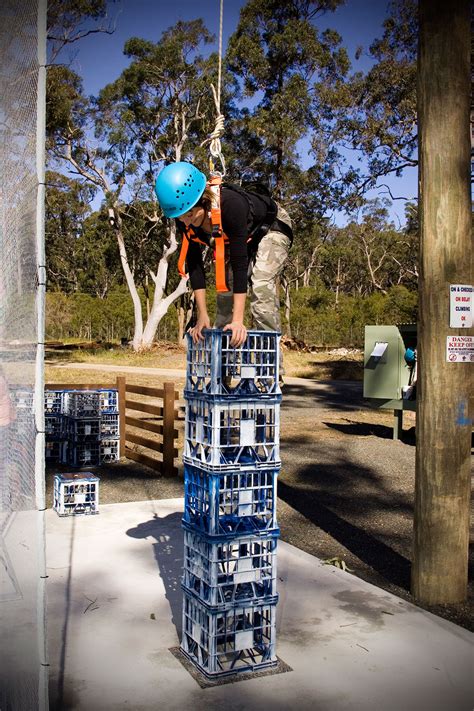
(218, 238)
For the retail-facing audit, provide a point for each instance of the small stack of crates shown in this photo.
(76, 494)
(82, 427)
(231, 463)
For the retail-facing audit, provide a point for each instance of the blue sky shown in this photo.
(99, 58)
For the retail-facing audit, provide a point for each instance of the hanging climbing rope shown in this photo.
(214, 139)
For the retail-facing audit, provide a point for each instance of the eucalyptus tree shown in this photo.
(285, 64)
(369, 255)
(67, 207)
(377, 114)
(158, 109)
(69, 21)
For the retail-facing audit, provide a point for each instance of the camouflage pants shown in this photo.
(264, 269)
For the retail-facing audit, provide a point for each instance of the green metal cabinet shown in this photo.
(386, 372)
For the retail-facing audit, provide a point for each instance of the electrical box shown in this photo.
(390, 368)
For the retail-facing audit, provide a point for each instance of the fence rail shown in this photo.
(165, 411)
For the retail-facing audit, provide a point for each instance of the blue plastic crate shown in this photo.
(55, 426)
(230, 572)
(84, 429)
(76, 494)
(109, 426)
(230, 503)
(55, 452)
(82, 403)
(83, 454)
(230, 435)
(214, 368)
(108, 400)
(54, 401)
(230, 641)
(109, 451)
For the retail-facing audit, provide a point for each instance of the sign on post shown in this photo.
(460, 349)
(460, 306)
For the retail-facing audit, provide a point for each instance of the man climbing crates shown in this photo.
(250, 234)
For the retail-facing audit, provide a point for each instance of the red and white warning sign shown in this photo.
(460, 349)
(460, 306)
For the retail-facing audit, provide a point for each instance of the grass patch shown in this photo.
(319, 365)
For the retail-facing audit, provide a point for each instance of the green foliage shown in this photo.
(70, 20)
(379, 117)
(316, 320)
(160, 108)
(283, 60)
(89, 317)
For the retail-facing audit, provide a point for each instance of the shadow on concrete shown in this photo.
(168, 551)
(58, 699)
(394, 567)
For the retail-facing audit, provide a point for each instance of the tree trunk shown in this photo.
(160, 305)
(137, 307)
(338, 281)
(286, 289)
(443, 425)
(158, 310)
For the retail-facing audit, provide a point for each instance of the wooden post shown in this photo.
(121, 386)
(168, 429)
(443, 424)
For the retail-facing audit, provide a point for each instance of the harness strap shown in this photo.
(182, 255)
(184, 250)
(217, 232)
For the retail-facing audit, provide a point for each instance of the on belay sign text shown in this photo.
(460, 306)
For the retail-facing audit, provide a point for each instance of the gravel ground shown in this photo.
(346, 488)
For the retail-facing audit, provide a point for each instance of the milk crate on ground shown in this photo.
(230, 435)
(82, 429)
(83, 454)
(23, 399)
(82, 403)
(230, 572)
(230, 503)
(108, 399)
(109, 426)
(55, 426)
(55, 452)
(76, 494)
(215, 368)
(109, 450)
(239, 639)
(54, 401)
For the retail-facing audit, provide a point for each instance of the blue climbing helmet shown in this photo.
(178, 188)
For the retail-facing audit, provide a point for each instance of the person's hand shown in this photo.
(196, 332)
(239, 333)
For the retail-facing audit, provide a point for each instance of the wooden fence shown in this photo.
(148, 416)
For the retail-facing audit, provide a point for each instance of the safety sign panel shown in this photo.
(460, 306)
(460, 349)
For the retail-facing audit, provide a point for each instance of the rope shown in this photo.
(214, 138)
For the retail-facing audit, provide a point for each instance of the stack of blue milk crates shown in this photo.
(82, 426)
(231, 463)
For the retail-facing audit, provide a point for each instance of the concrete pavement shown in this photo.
(115, 610)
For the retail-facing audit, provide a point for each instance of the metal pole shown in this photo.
(40, 487)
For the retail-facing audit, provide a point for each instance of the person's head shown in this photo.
(179, 187)
(197, 214)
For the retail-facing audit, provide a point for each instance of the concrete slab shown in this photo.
(115, 610)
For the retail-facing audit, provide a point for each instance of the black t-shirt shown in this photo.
(237, 223)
